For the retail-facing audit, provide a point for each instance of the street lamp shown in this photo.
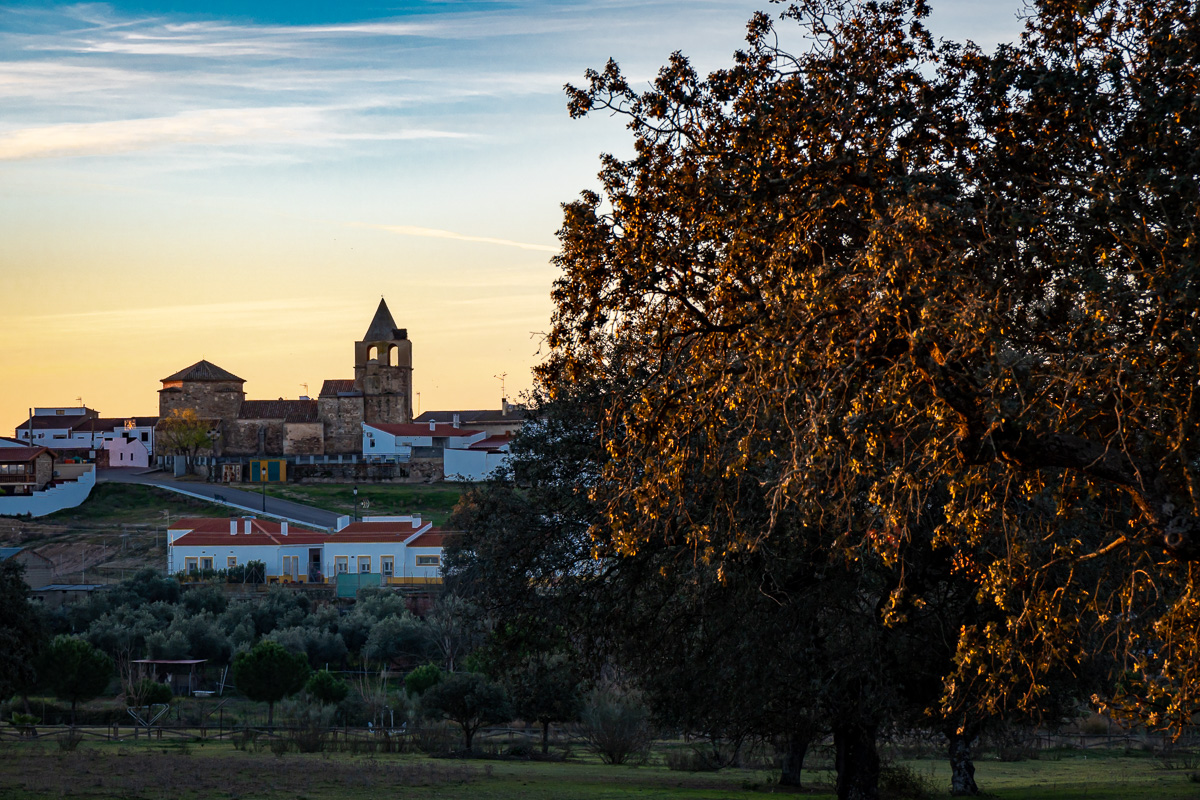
(262, 479)
(356, 504)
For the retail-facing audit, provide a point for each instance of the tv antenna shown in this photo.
(501, 377)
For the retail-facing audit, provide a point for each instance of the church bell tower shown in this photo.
(383, 370)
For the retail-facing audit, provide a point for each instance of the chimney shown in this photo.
(504, 406)
(432, 425)
(416, 521)
(246, 525)
(456, 420)
(233, 527)
(283, 528)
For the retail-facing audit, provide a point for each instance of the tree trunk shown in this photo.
(795, 747)
(962, 768)
(857, 761)
(271, 715)
(72, 713)
(545, 738)
(468, 735)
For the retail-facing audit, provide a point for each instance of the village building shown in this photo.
(35, 481)
(331, 424)
(378, 551)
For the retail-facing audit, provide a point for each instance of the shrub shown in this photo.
(693, 759)
(616, 725)
(69, 740)
(905, 783)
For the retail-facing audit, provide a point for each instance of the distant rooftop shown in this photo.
(203, 371)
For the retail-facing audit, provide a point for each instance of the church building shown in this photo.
(379, 392)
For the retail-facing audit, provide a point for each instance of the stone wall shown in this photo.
(425, 470)
(210, 399)
(343, 418)
(303, 439)
(251, 437)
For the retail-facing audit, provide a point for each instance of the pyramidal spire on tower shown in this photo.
(382, 327)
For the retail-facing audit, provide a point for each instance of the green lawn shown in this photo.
(198, 771)
(431, 501)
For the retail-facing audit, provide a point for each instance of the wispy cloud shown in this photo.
(434, 233)
(208, 126)
(249, 313)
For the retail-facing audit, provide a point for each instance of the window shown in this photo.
(231, 562)
(364, 564)
(206, 563)
(387, 565)
(145, 436)
(341, 565)
(428, 561)
(291, 566)
(189, 565)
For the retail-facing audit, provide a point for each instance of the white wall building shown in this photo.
(388, 442)
(289, 552)
(478, 460)
(402, 550)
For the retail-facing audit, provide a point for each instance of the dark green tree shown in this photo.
(419, 681)
(75, 671)
(546, 688)
(268, 673)
(327, 688)
(468, 699)
(22, 632)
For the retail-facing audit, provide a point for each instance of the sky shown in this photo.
(242, 181)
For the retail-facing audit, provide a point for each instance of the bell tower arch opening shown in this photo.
(383, 369)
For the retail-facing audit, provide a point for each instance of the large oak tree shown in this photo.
(886, 277)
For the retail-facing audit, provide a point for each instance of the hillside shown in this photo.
(122, 526)
(119, 529)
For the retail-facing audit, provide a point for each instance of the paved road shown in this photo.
(237, 499)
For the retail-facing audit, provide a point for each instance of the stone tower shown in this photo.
(383, 370)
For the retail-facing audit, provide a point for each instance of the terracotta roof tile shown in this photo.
(336, 386)
(287, 410)
(203, 371)
(214, 531)
(13, 454)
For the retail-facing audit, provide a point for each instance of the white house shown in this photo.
(477, 461)
(397, 442)
(74, 430)
(289, 552)
(401, 550)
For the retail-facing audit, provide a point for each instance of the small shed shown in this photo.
(184, 675)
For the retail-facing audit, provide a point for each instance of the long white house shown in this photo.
(401, 550)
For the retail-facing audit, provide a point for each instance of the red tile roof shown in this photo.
(203, 371)
(377, 532)
(214, 531)
(492, 442)
(516, 413)
(14, 454)
(336, 386)
(413, 429)
(286, 410)
(431, 538)
(43, 422)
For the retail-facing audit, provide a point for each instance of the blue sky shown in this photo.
(241, 181)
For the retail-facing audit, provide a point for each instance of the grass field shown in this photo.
(203, 770)
(433, 502)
